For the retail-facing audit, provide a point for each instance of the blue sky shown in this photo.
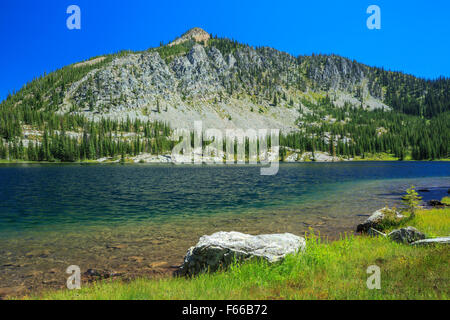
(414, 36)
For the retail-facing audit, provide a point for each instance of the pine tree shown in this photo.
(411, 200)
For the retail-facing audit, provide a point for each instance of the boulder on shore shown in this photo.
(375, 220)
(406, 235)
(220, 249)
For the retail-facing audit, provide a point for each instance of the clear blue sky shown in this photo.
(414, 35)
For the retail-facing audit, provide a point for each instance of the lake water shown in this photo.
(140, 219)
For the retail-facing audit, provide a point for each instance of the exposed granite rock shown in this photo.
(406, 235)
(231, 60)
(220, 249)
(217, 59)
(375, 220)
(224, 88)
(197, 55)
(196, 34)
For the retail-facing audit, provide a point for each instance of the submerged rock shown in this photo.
(116, 246)
(94, 274)
(406, 235)
(440, 240)
(220, 249)
(376, 219)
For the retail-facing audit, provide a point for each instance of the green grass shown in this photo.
(376, 157)
(446, 200)
(383, 156)
(433, 223)
(325, 270)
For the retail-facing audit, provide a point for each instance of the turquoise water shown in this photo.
(35, 196)
(129, 217)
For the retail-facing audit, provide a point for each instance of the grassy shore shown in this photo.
(367, 157)
(381, 159)
(326, 270)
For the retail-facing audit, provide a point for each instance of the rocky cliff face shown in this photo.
(220, 82)
(196, 34)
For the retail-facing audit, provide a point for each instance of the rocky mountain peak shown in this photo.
(197, 34)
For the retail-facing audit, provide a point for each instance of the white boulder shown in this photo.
(220, 249)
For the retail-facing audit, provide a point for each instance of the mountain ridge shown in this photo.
(323, 71)
(227, 84)
(196, 33)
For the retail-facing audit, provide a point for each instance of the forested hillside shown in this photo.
(127, 103)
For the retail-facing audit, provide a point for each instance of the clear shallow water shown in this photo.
(127, 218)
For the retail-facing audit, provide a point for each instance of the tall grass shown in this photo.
(446, 200)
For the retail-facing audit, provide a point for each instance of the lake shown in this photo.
(139, 220)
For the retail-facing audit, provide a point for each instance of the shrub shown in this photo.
(411, 200)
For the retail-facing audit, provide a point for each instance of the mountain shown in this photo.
(127, 103)
(195, 34)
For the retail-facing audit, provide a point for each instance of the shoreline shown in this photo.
(104, 288)
(107, 244)
(206, 163)
(160, 271)
(293, 156)
(151, 268)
